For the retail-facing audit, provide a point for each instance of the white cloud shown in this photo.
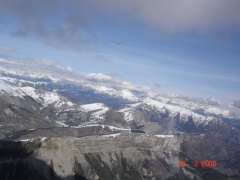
(98, 77)
(65, 68)
(212, 101)
(10, 62)
(69, 69)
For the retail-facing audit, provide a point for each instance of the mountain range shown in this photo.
(58, 124)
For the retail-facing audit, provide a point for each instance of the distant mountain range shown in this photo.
(62, 125)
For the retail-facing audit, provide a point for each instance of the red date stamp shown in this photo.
(196, 163)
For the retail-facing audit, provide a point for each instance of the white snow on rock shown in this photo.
(32, 129)
(99, 114)
(111, 135)
(46, 98)
(186, 104)
(173, 109)
(43, 139)
(43, 97)
(106, 90)
(92, 107)
(50, 98)
(27, 140)
(6, 88)
(126, 94)
(61, 124)
(165, 136)
(128, 114)
(112, 128)
(29, 91)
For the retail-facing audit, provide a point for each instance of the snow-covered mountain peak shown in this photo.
(172, 108)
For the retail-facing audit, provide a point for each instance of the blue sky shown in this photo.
(186, 47)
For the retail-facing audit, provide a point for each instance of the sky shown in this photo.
(189, 47)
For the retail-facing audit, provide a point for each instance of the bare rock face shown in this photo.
(20, 113)
(116, 156)
(106, 157)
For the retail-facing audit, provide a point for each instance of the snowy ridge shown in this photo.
(43, 97)
(29, 73)
(21, 82)
(174, 110)
(6, 88)
(94, 113)
(46, 98)
(185, 104)
(217, 111)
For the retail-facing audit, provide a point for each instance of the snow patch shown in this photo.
(32, 129)
(44, 138)
(111, 135)
(61, 124)
(92, 107)
(112, 128)
(165, 136)
(27, 140)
